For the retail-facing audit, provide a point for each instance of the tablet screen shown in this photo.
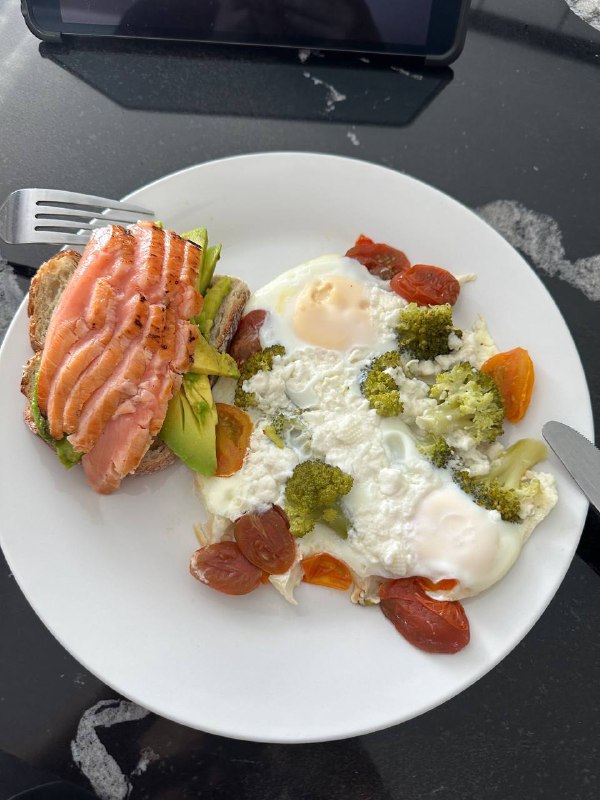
(359, 22)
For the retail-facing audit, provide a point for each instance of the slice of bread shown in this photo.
(46, 287)
(44, 293)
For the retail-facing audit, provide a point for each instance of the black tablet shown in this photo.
(431, 30)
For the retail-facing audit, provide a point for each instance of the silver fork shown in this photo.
(51, 216)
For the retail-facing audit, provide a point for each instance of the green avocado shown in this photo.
(212, 301)
(65, 451)
(190, 423)
(208, 259)
(208, 361)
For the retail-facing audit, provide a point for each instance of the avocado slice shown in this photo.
(208, 259)
(208, 361)
(189, 426)
(65, 451)
(212, 301)
(207, 270)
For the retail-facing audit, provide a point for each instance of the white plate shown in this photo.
(108, 575)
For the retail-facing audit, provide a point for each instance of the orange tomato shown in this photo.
(234, 428)
(325, 570)
(444, 585)
(513, 374)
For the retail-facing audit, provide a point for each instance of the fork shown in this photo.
(52, 216)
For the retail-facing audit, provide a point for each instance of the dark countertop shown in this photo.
(516, 119)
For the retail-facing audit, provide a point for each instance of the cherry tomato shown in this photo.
(233, 432)
(514, 375)
(380, 259)
(265, 540)
(325, 570)
(426, 286)
(436, 626)
(246, 341)
(223, 567)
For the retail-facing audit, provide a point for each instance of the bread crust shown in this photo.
(44, 293)
(46, 288)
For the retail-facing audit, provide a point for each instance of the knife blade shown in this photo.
(579, 455)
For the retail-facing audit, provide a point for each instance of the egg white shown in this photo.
(408, 517)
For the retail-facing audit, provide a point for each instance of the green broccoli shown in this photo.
(467, 401)
(505, 488)
(263, 360)
(280, 424)
(437, 450)
(313, 493)
(380, 388)
(423, 331)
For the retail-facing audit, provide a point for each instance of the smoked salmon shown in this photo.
(118, 343)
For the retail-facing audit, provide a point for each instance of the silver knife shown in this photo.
(580, 457)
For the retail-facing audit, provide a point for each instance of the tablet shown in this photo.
(429, 30)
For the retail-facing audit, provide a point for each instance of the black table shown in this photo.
(516, 119)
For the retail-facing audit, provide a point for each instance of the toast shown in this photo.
(44, 293)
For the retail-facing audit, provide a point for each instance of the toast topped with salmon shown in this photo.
(114, 331)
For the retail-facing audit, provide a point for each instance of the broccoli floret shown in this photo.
(437, 450)
(504, 488)
(423, 331)
(313, 493)
(380, 388)
(263, 360)
(279, 425)
(467, 402)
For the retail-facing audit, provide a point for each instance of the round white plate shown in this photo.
(108, 575)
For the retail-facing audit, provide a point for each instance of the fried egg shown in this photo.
(407, 516)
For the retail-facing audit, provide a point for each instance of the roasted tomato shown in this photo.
(265, 540)
(380, 259)
(436, 626)
(234, 429)
(246, 341)
(426, 286)
(325, 570)
(514, 375)
(223, 567)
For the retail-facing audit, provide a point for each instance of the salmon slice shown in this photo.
(117, 385)
(118, 345)
(67, 326)
(148, 259)
(100, 320)
(133, 316)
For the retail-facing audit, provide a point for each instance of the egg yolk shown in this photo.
(333, 312)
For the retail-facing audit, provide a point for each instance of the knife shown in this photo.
(580, 457)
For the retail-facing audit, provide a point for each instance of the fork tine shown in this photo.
(54, 237)
(51, 212)
(59, 197)
(61, 224)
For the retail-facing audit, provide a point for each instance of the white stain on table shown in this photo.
(588, 10)
(539, 237)
(93, 759)
(353, 138)
(332, 96)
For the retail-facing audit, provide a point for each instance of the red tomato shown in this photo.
(246, 341)
(233, 432)
(265, 540)
(325, 570)
(436, 626)
(223, 567)
(380, 259)
(426, 286)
